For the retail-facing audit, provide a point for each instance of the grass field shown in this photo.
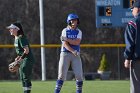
(95, 86)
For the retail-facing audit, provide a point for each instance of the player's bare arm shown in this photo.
(26, 51)
(20, 58)
(17, 58)
(74, 41)
(66, 45)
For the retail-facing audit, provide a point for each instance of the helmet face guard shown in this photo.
(71, 17)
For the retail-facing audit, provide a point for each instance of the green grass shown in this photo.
(95, 86)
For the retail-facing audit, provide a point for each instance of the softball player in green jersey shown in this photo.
(24, 55)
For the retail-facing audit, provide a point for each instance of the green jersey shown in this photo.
(20, 43)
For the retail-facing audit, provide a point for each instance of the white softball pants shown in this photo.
(67, 58)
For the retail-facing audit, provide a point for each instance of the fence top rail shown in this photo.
(58, 45)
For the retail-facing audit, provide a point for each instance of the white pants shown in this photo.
(67, 58)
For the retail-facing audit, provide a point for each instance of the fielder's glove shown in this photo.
(14, 66)
(62, 38)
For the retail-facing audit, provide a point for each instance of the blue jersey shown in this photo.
(71, 34)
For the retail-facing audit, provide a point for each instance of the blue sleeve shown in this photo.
(129, 41)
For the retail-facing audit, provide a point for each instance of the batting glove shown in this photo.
(75, 52)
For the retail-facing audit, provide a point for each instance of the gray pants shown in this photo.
(135, 77)
(67, 58)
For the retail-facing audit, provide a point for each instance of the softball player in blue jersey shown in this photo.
(70, 54)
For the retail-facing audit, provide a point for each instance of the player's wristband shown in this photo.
(24, 55)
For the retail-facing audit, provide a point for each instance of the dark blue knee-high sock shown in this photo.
(79, 85)
(58, 86)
